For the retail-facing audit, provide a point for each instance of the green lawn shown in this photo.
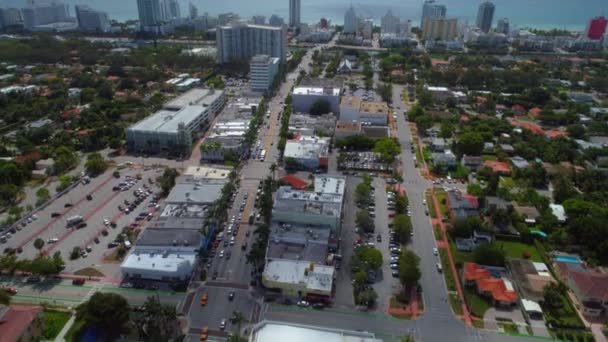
(565, 316)
(506, 182)
(443, 206)
(447, 270)
(417, 150)
(455, 304)
(517, 249)
(53, 322)
(510, 328)
(476, 304)
(487, 157)
(431, 205)
(427, 154)
(438, 232)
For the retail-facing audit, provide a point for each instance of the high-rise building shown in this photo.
(503, 26)
(91, 20)
(169, 10)
(432, 9)
(193, 11)
(351, 22)
(42, 12)
(258, 19)
(405, 28)
(294, 13)
(439, 28)
(228, 18)
(367, 29)
(323, 24)
(242, 41)
(10, 17)
(149, 13)
(389, 23)
(597, 28)
(263, 69)
(276, 21)
(485, 15)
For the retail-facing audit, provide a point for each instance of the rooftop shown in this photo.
(501, 289)
(316, 278)
(15, 320)
(170, 237)
(295, 182)
(330, 185)
(207, 172)
(177, 223)
(195, 192)
(374, 107)
(297, 242)
(318, 91)
(184, 210)
(306, 147)
(352, 101)
(590, 283)
(307, 202)
(160, 260)
(348, 126)
(275, 331)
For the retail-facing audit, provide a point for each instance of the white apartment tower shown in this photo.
(263, 69)
(389, 23)
(243, 41)
(351, 22)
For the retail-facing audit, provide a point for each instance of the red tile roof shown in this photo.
(295, 182)
(486, 283)
(16, 320)
(518, 109)
(527, 125)
(535, 112)
(497, 167)
(553, 133)
(29, 156)
(590, 283)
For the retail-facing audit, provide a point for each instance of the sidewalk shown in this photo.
(445, 244)
(66, 328)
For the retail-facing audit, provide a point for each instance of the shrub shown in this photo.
(526, 255)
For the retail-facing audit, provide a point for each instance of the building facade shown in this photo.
(389, 23)
(597, 28)
(351, 22)
(303, 98)
(503, 26)
(43, 12)
(91, 20)
(169, 10)
(276, 21)
(240, 41)
(367, 29)
(263, 69)
(440, 28)
(149, 13)
(485, 15)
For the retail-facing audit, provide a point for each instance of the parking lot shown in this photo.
(96, 220)
(368, 161)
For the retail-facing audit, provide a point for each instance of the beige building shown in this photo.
(374, 113)
(440, 28)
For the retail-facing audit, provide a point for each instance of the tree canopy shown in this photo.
(109, 312)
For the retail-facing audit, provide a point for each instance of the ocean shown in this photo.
(545, 14)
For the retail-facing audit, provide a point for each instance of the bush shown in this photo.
(526, 255)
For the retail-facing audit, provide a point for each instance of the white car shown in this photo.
(435, 251)
(106, 222)
(232, 241)
(222, 253)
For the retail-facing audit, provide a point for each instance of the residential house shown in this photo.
(473, 163)
(519, 162)
(535, 112)
(508, 149)
(559, 212)
(462, 206)
(589, 286)
(438, 144)
(497, 167)
(44, 168)
(493, 203)
(518, 110)
(440, 94)
(345, 67)
(529, 213)
(530, 277)
(445, 159)
(579, 97)
(499, 290)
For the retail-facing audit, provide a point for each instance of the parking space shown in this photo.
(87, 216)
(367, 161)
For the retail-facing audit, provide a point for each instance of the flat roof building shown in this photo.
(172, 129)
(304, 97)
(263, 70)
(159, 264)
(374, 114)
(307, 207)
(299, 278)
(243, 41)
(309, 152)
(267, 331)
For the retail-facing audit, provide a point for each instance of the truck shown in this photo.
(73, 220)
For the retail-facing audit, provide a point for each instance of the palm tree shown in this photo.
(273, 168)
(238, 318)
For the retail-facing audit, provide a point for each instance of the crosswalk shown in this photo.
(94, 289)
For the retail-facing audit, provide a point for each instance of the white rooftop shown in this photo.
(160, 260)
(306, 147)
(558, 211)
(540, 267)
(319, 91)
(294, 272)
(207, 172)
(431, 88)
(330, 184)
(271, 332)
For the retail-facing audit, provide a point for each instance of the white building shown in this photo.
(308, 208)
(44, 12)
(310, 152)
(440, 28)
(149, 13)
(172, 129)
(303, 98)
(439, 93)
(267, 331)
(432, 9)
(159, 264)
(294, 13)
(242, 41)
(91, 20)
(351, 22)
(389, 23)
(263, 69)
(169, 10)
(299, 278)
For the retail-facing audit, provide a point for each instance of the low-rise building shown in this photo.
(304, 97)
(440, 94)
(589, 286)
(278, 331)
(499, 290)
(226, 137)
(462, 206)
(44, 168)
(373, 114)
(529, 213)
(445, 159)
(172, 129)
(166, 264)
(17, 323)
(309, 152)
(559, 212)
(473, 163)
(299, 278)
(347, 128)
(350, 107)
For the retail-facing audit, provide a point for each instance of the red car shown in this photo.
(11, 290)
(78, 281)
(357, 242)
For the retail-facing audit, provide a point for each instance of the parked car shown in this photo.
(303, 304)
(78, 281)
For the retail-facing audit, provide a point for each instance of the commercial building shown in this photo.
(263, 69)
(485, 15)
(367, 28)
(304, 97)
(172, 129)
(440, 94)
(299, 278)
(294, 13)
(10, 17)
(430, 9)
(347, 128)
(227, 137)
(243, 41)
(350, 107)
(166, 264)
(267, 331)
(440, 28)
(169, 10)
(308, 208)
(596, 28)
(351, 22)
(310, 152)
(149, 13)
(276, 21)
(305, 124)
(91, 20)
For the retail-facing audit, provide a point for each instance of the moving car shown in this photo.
(204, 333)
(10, 290)
(223, 324)
(204, 299)
(78, 281)
(231, 296)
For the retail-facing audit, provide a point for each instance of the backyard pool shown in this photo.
(568, 258)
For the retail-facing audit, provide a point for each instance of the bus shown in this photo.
(262, 155)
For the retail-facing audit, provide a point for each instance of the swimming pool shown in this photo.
(567, 258)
